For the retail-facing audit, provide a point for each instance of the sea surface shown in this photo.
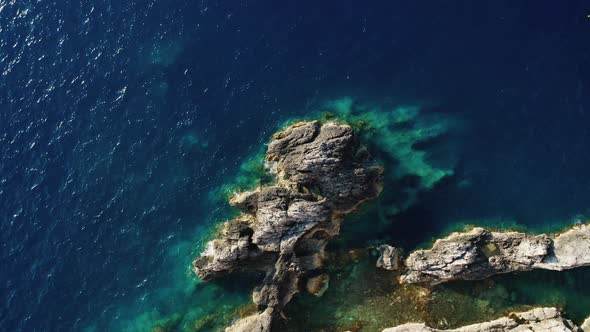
(120, 121)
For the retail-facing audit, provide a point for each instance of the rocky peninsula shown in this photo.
(322, 173)
(480, 253)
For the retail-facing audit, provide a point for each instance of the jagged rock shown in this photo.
(284, 228)
(539, 319)
(389, 257)
(479, 254)
(476, 254)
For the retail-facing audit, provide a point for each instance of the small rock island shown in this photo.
(322, 173)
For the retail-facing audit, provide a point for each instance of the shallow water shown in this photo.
(364, 298)
(123, 124)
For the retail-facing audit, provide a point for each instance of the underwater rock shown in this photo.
(479, 253)
(283, 228)
(389, 257)
(539, 319)
(586, 325)
(318, 285)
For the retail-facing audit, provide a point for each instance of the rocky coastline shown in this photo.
(322, 173)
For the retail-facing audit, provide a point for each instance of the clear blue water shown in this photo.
(118, 118)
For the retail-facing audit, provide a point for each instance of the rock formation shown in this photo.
(389, 257)
(322, 173)
(479, 254)
(539, 319)
(260, 322)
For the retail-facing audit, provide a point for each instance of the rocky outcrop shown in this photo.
(260, 322)
(479, 253)
(389, 257)
(322, 173)
(476, 254)
(540, 319)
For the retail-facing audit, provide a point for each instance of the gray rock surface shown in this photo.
(479, 253)
(539, 319)
(389, 257)
(260, 322)
(322, 173)
(571, 249)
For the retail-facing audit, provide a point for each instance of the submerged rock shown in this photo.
(322, 173)
(318, 285)
(539, 319)
(479, 253)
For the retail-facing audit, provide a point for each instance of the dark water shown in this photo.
(118, 118)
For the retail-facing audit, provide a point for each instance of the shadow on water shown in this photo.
(457, 201)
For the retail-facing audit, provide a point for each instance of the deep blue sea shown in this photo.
(118, 119)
